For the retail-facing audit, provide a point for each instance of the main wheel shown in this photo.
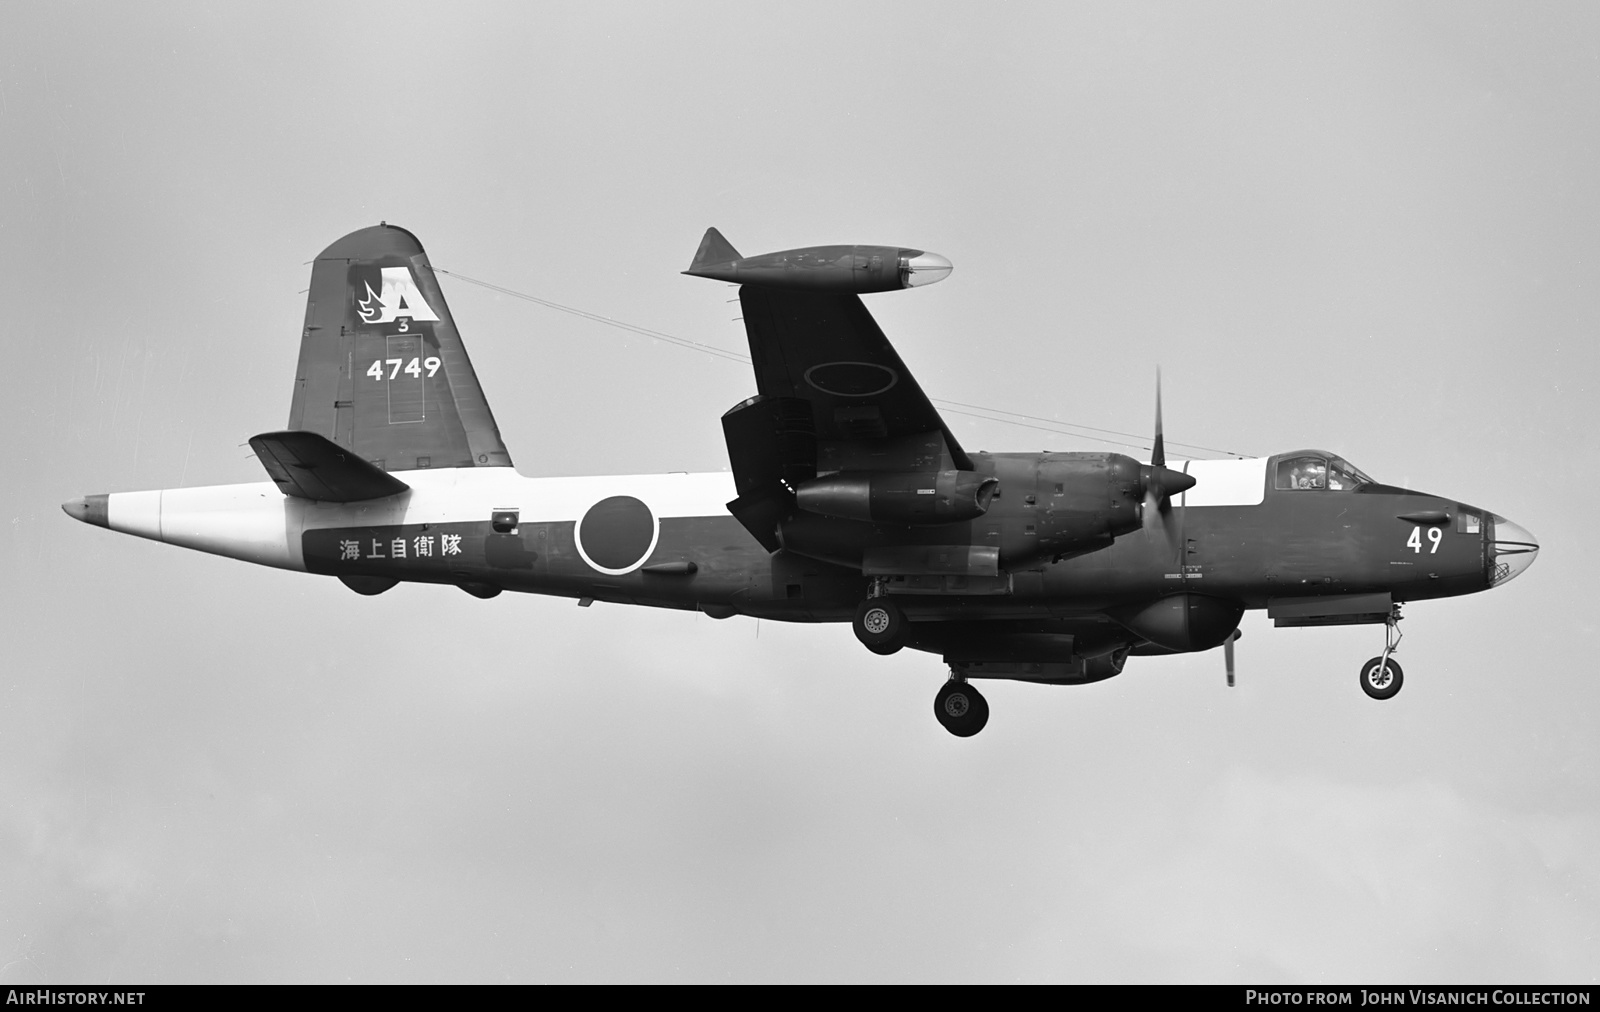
(1380, 680)
(960, 709)
(880, 625)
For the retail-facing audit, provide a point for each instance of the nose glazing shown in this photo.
(923, 269)
(1512, 551)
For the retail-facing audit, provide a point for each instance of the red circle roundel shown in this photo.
(616, 535)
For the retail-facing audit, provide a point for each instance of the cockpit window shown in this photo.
(1318, 472)
(1303, 472)
(1343, 475)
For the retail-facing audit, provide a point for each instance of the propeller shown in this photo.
(1161, 482)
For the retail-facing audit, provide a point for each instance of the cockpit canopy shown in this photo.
(1317, 469)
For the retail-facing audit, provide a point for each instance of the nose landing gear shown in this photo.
(959, 708)
(1381, 677)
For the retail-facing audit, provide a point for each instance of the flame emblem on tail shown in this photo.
(400, 297)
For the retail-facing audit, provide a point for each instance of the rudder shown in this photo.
(382, 370)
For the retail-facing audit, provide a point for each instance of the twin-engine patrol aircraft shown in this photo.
(849, 497)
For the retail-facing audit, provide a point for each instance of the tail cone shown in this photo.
(91, 509)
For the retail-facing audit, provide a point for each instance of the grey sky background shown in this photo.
(1373, 228)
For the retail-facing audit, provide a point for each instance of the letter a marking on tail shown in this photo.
(400, 297)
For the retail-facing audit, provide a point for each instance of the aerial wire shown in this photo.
(1016, 418)
(682, 342)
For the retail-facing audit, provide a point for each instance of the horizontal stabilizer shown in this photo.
(309, 466)
(713, 250)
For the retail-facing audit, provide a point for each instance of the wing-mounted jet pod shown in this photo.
(850, 498)
(857, 269)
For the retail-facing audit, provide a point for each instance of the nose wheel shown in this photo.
(1381, 677)
(959, 708)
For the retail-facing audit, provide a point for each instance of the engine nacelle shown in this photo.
(832, 269)
(1183, 622)
(932, 497)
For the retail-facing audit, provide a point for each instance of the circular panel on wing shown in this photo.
(852, 379)
(616, 535)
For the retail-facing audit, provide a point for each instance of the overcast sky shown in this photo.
(1373, 228)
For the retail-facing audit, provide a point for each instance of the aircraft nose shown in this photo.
(1514, 550)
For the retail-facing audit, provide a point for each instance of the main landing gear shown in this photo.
(880, 624)
(960, 708)
(1381, 677)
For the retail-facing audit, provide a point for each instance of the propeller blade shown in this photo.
(1161, 483)
(1158, 452)
(1227, 655)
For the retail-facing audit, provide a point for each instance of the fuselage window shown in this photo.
(1303, 473)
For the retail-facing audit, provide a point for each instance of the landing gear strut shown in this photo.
(880, 624)
(960, 708)
(1381, 677)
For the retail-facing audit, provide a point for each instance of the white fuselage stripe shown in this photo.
(1224, 482)
(258, 523)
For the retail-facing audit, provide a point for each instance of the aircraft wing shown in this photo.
(825, 349)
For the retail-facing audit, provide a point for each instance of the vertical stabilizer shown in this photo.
(382, 368)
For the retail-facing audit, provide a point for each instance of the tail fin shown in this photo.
(713, 250)
(382, 368)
